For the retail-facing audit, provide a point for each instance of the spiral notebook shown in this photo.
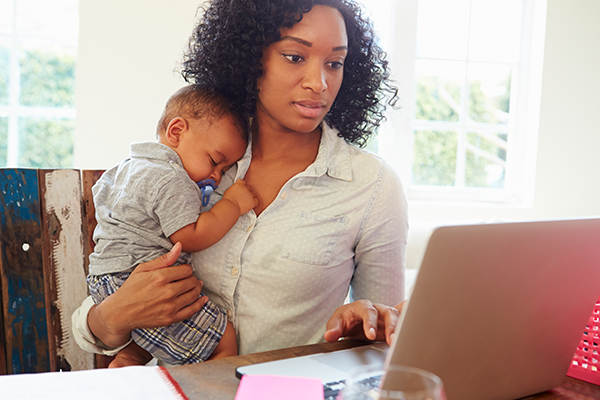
(147, 383)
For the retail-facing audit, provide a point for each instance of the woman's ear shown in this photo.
(176, 128)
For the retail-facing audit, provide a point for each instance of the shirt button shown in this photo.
(249, 228)
(283, 195)
(229, 314)
(234, 271)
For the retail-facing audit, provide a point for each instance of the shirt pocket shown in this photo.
(312, 239)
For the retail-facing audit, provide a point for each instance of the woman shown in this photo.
(331, 217)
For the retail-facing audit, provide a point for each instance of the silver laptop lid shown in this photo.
(498, 309)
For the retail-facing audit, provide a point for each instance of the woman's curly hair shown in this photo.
(226, 47)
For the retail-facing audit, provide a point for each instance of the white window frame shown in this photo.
(395, 137)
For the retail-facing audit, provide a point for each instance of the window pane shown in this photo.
(46, 142)
(438, 90)
(486, 160)
(434, 158)
(378, 13)
(4, 73)
(373, 144)
(443, 29)
(6, 16)
(3, 141)
(47, 77)
(489, 99)
(495, 30)
(53, 19)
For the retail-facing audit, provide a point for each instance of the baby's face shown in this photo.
(210, 147)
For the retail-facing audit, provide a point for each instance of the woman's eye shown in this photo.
(295, 58)
(336, 65)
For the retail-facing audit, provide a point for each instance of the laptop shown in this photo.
(496, 312)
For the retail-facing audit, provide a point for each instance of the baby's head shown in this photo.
(201, 127)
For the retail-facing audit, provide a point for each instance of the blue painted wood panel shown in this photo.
(21, 273)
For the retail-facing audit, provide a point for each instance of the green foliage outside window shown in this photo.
(46, 143)
(4, 69)
(47, 79)
(434, 158)
(431, 99)
(3, 140)
(435, 152)
(479, 170)
(486, 109)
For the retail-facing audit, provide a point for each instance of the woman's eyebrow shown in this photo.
(297, 39)
(339, 48)
(309, 44)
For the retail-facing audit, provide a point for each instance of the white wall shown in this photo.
(129, 50)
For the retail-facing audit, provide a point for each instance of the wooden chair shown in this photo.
(46, 226)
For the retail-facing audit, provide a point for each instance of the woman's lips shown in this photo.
(308, 109)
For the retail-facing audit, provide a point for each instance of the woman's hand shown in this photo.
(152, 296)
(363, 320)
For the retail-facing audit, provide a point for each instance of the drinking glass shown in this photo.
(397, 383)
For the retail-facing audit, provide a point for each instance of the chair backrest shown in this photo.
(46, 226)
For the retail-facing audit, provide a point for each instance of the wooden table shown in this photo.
(216, 380)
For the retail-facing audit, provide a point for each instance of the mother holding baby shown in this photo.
(331, 219)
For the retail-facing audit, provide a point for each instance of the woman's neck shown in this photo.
(271, 145)
(276, 157)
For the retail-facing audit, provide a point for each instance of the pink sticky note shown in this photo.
(271, 387)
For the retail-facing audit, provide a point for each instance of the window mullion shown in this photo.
(461, 151)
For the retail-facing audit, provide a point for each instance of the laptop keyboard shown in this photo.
(332, 389)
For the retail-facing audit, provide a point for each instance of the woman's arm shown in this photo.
(379, 269)
(152, 296)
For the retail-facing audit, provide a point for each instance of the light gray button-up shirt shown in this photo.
(340, 225)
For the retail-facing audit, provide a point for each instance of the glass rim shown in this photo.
(369, 369)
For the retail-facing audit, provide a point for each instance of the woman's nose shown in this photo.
(315, 79)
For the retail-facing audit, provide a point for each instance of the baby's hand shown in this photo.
(242, 195)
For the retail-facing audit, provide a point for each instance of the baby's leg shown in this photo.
(227, 347)
(132, 354)
(189, 341)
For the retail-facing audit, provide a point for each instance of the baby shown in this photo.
(152, 200)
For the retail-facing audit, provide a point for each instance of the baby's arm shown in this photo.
(213, 224)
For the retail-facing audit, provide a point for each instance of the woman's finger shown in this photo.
(357, 320)
(369, 316)
(166, 260)
(388, 320)
(190, 309)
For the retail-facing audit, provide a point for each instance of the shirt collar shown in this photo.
(154, 150)
(334, 155)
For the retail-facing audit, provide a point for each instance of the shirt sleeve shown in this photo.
(177, 203)
(380, 255)
(83, 335)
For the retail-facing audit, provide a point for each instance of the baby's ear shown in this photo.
(176, 128)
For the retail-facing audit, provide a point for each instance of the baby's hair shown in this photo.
(197, 102)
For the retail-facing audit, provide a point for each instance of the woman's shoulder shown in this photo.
(367, 166)
(360, 160)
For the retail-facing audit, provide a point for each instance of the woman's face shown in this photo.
(302, 72)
